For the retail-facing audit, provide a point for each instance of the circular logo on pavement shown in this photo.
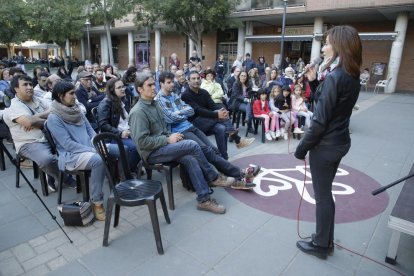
(280, 184)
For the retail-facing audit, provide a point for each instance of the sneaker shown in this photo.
(222, 181)
(242, 184)
(356, 107)
(51, 186)
(253, 169)
(285, 136)
(244, 142)
(98, 211)
(278, 133)
(282, 132)
(268, 136)
(273, 134)
(26, 164)
(298, 131)
(211, 205)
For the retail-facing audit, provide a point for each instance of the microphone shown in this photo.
(315, 62)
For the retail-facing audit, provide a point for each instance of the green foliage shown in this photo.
(13, 21)
(55, 21)
(109, 10)
(188, 17)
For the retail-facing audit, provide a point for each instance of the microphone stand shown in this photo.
(13, 161)
(380, 190)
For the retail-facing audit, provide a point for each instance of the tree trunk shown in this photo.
(9, 50)
(109, 42)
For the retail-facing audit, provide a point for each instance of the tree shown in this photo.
(106, 11)
(13, 23)
(189, 17)
(56, 21)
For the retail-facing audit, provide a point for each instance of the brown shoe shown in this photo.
(222, 181)
(98, 211)
(26, 164)
(211, 205)
(244, 142)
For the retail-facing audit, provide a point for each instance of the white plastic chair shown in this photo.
(383, 84)
(364, 83)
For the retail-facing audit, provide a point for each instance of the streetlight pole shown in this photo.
(282, 41)
(88, 24)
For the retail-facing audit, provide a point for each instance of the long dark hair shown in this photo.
(346, 45)
(116, 101)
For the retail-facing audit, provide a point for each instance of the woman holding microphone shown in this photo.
(335, 88)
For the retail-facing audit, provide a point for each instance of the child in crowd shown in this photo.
(299, 105)
(282, 105)
(261, 109)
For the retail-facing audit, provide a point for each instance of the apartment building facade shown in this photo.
(385, 27)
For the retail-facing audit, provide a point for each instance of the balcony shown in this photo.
(248, 5)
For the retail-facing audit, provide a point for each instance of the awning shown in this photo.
(278, 38)
(370, 36)
(275, 38)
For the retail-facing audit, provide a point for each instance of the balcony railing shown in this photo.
(247, 5)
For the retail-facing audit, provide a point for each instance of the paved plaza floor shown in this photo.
(256, 236)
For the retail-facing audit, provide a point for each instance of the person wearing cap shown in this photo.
(88, 95)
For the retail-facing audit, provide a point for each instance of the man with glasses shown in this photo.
(209, 120)
(156, 144)
(180, 83)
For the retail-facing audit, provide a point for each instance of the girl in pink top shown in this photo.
(261, 109)
(299, 105)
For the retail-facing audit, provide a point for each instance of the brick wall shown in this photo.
(123, 51)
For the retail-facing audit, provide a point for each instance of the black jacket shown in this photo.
(107, 120)
(335, 97)
(237, 98)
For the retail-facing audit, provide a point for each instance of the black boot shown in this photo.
(309, 247)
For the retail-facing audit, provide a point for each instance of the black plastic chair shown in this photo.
(2, 160)
(82, 176)
(128, 192)
(167, 168)
(256, 122)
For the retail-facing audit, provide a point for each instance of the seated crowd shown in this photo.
(160, 118)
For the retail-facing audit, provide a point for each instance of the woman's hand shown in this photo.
(311, 73)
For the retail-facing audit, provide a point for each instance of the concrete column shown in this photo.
(396, 51)
(240, 40)
(104, 49)
(131, 59)
(248, 47)
(82, 44)
(316, 44)
(157, 48)
(190, 48)
(68, 53)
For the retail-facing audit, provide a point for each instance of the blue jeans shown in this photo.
(42, 155)
(220, 129)
(211, 153)
(132, 153)
(188, 154)
(97, 167)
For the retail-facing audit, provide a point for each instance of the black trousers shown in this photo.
(324, 162)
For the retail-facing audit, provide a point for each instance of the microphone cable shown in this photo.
(334, 243)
